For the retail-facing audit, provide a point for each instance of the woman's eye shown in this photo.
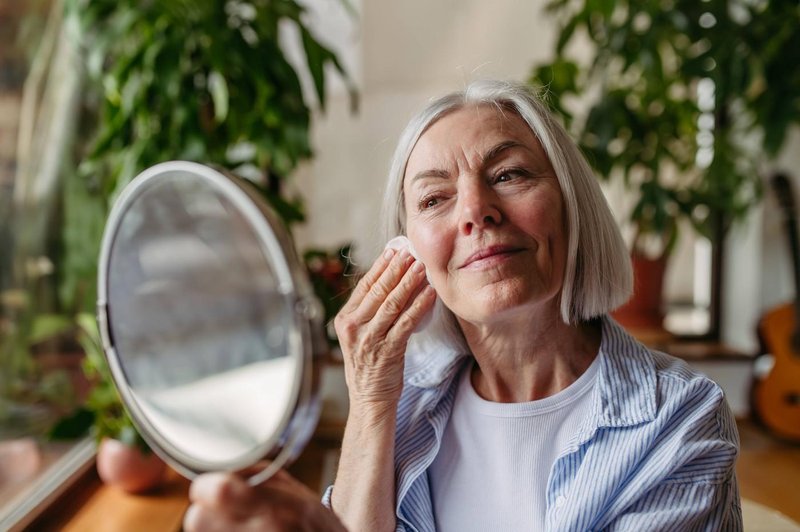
(428, 202)
(507, 175)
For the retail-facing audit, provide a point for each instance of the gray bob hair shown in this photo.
(598, 276)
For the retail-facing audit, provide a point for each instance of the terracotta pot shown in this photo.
(127, 467)
(645, 308)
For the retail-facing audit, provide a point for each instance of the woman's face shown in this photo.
(485, 214)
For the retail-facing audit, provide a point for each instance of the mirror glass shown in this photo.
(200, 306)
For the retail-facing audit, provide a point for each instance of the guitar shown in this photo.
(776, 395)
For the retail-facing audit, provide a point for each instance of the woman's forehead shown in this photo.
(476, 123)
(476, 131)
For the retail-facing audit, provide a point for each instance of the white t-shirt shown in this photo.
(492, 468)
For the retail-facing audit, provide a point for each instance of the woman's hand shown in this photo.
(375, 324)
(225, 502)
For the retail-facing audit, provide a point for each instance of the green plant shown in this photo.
(31, 396)
(178, 79)
(686, 101)
(174, 79)
(102, 413)
(32, 390)
(202, 81)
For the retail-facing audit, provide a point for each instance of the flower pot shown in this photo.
(128, 467)
(645, 309)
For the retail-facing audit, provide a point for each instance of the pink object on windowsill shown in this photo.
(19, 460)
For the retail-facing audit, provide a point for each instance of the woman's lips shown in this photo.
(489, 256)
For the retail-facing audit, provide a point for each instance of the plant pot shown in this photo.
(644, 310)
(128, 467)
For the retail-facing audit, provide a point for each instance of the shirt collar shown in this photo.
(626, 382)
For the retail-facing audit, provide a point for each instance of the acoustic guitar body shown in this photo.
(776, 396)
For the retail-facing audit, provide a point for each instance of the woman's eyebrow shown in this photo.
(435, 172)
(497, 149)
(487, 157)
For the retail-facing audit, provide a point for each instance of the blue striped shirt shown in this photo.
(657, 451)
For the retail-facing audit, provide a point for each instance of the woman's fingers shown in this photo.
(383, 286)
(407, 322)
(199, 518)
(398, 270)
(225, 492)
(396, 304)
(226, 502)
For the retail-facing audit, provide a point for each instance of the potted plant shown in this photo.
(123, 457)
(686, 103)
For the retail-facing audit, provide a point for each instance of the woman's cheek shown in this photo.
(433, 248)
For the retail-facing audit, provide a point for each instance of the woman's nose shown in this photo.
(479, 209)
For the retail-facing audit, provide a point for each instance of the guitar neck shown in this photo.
(794, 247)
(785, 194)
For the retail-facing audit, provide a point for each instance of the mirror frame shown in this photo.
(306, 339)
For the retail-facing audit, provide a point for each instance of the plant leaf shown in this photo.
(218, 88)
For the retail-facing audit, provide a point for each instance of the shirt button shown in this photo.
(560, 500)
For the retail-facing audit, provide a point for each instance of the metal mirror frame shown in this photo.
(307, 343)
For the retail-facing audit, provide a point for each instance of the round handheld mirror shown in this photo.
(209, 323)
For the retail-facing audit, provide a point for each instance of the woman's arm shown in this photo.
(373, 328)
(698, 491)
(686, 506)
(364, 495)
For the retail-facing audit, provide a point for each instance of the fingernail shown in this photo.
(388, 253)
(190, 518)
(206, 487)
(418, 267)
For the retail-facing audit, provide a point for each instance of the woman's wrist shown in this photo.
(372, 413)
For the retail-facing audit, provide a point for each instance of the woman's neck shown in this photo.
(531, 357)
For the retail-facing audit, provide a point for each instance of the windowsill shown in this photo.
(62, 465)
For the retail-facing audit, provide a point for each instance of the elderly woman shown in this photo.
(535, 410)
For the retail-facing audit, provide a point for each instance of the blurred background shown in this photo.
(686, 109)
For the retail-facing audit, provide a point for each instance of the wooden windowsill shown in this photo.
(92, 505)
(64, 464)
(88, 504)
(690, 350)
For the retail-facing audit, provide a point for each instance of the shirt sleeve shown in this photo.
(685, 506)
(700, 492)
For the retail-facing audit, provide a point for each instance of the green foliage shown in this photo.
(22, 379)
(178, 79)
(648, 68)
(102, 414)
(201, 81)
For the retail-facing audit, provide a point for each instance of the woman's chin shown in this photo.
(501, 301)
